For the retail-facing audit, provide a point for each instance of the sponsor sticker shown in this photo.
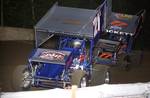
(115, 28)
(119, 23)
(118, 32)
(123, 16)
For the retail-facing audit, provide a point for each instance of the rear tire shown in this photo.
(124, 61)
(18, 78)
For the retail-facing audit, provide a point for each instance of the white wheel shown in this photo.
(107, 77)
(83, 82)
(26, 83)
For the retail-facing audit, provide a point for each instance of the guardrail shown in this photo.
(134, 90)
(13, 33)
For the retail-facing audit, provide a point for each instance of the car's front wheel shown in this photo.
(79, 78)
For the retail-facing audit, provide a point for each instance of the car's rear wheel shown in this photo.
(20, 78)
(124, 61)
(26, 82)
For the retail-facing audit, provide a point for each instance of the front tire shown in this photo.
(100, 75)
(79, 78)
(107, 77)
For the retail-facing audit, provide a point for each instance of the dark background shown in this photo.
(19, 13)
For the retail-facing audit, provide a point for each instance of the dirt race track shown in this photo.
(13, 53)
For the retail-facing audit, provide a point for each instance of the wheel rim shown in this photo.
(107, 78)
(83, 82)
(25, 81)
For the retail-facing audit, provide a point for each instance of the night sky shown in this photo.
(18, 13)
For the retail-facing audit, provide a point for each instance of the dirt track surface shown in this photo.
(13, 53)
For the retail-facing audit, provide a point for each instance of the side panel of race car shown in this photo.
(50, 70)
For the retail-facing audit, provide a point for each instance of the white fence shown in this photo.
(135, 90)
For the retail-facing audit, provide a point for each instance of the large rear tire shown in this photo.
(124, 61)
(18, 79)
